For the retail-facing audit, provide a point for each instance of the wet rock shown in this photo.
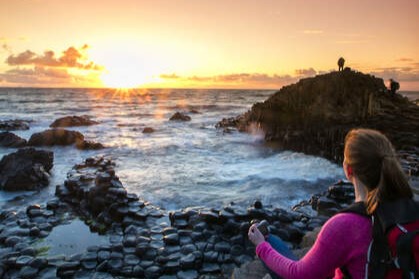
(222, 247)
(188, 261)
(258, 205)
(67, 268)
(148, 130)
(73, 121)
(26, 169)
(153, 272)
(187, 274)
(138, 271)
(171, 239)
(55, 137)
(8, 139)
(210, 268)
(23, 260)
(38, 263)
(252, 270)
(326, 206)
(28, 272)
(178, 116)
(12, 241)
(89, 145)
(16, 124)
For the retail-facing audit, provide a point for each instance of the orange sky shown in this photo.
(205, 43)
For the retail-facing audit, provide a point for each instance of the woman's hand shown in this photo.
(255, 236)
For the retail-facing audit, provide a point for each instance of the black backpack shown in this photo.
(390, 219)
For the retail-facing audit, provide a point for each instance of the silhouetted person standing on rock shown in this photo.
(341, 62)
(394, 86)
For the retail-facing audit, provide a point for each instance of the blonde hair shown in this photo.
(374, 162)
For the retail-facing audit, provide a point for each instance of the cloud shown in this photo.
(169, 76)
(70, 58)
(6, 47)
(305, 72)
(404, 59)
(406, 74)
(37, 75)
(259, 80)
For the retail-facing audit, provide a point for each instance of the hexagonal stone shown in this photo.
(223, 247)
(153, 271)
(23, 260)
(28, 272)
(187, 274)
(188, 261)
(171, 239)
(131, 260)
(210, 268)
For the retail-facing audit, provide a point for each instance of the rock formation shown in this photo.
(16, 124)
(314, 115)
(63, 137)
(73, 121)
(8, 139)
(26, 169)
(178, 116)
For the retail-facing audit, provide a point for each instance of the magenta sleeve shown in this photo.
(334, 247)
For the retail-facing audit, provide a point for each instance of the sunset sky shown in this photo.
(204, 43)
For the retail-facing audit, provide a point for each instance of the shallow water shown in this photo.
(70, 239)
(181, 164)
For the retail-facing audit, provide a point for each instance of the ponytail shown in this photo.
(374, 162)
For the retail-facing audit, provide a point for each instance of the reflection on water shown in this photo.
(182, 163)
(70, 239)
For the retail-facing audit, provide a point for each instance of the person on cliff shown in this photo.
(394, 86)
(342, 246)
(341, 63)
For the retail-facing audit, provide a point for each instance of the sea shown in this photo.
(181, 164)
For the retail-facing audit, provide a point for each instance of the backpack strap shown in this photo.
(360, 209)
(405, 257)
(357, 208)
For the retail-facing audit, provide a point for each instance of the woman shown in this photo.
(372, 166)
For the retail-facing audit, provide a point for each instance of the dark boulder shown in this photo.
(178, 116)
(314, 115)
(26, 169)
(73, 121)
(55, 137)
(89, 145)
(8, 139)
(16, 124)
(148, 130)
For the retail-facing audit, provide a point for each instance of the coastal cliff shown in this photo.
(314, 114)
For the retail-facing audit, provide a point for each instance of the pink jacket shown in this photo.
(343, 241)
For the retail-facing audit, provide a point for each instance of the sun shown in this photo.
(127, 78)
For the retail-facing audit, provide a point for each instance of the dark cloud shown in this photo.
(70, 58)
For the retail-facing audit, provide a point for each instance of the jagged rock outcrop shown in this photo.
(8, 139)
(14, 124)
(73, 121)
(314, 115)
(26, 169)
(178, 116)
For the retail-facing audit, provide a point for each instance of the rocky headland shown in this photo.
(314, 115)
